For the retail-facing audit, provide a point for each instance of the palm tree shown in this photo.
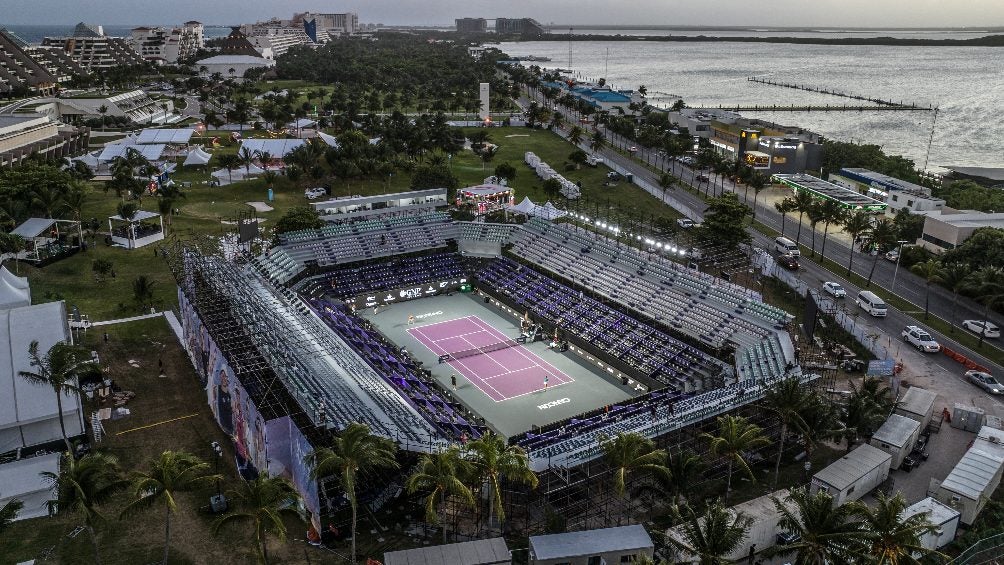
(142, 289)
(440, 474)
(229, 161)
(759, 183)
(9, 512)
(60, 368)
(684, 468)
(955, 277)
(803, 202)
(355, 450)
(712, 536)
(867, 407)
(575, 135)
(172, 472)
(988, 284)
(822, 423)
(597, 142)
(786, 400)
(262, 502)
(833, 213)
(247, 158)
(783, 207)
(629, 452)
(736, 436)
(492, 460)
(927, 270)
(82, 485)
(890, 539)
(815, 214)
(824, 534)
(856, 225)
(883, 234)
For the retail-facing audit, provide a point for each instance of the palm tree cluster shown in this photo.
(41, 189)
(400, 71)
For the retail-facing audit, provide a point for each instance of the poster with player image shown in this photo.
(249, 432)
(219, 393)
(286, 449)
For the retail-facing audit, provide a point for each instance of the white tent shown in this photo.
(22, 480)
(278, 148)
(151, 152)
(330, 140)
(14, 290)
(528, 208)
(89, 159)
(176, 136)
(302, 123)
(197, 156)
(237, 174)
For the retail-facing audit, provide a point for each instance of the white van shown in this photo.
(785, 246)
(871, 303)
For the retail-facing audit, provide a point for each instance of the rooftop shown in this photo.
(896, 430)
(872, 178)
(479, 552)
(589, 542)
(829, 191)
(968, 218)
(843, 472)
(917, 400)
(978, 467)
(937, 512)
(236, 60)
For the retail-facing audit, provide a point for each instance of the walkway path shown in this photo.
(132, 319)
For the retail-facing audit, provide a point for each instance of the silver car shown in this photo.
(985, 381)
(988, 329)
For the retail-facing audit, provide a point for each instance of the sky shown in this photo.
(829, 13)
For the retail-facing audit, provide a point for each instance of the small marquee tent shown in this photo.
(151, 152)
(330, 140)
(14, 290)
(197, 156)
(173, 136)
(278, 148)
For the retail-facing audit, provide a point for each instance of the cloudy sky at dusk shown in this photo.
(858, 13)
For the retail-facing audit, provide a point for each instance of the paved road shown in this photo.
(933, 371)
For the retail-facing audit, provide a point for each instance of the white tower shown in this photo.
(483, 89)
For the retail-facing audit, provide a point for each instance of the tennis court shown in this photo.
(501, 374)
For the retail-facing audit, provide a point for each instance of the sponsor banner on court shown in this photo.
(415, 292)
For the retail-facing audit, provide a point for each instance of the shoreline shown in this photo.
(986, 41)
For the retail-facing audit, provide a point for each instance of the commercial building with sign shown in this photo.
(765, 148)
(846, 197)
(898, 194)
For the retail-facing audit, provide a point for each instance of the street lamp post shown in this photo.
(899, 255)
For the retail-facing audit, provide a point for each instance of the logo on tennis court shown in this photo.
(553, 403)
(428, 314)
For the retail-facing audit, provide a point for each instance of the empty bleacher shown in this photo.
(348, 281)
(369, 238)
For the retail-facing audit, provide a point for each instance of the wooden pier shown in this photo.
(811, 108)
(885, 104)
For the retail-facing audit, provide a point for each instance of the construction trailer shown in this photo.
(853, 475)
(625, 544)
(917, 404)
(763, 531)
(968, 418)
(897, 436)
(944, 519)
(972, 482)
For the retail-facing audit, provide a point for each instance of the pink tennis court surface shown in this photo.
(501, 375)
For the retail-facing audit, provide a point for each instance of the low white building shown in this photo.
(949, 228)
(975, 478)
(945, 520)
(231, 66)
(624, 544)
(896, 436)
(853, 475)
(918, 404)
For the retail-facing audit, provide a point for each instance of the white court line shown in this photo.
(442, 322)
(549, 367)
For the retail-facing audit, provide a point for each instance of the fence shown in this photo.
(763, 260)
(987, 550)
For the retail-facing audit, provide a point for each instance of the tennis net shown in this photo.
(481, 350)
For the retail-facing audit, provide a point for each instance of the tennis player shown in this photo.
(546, 376)
(411, 319)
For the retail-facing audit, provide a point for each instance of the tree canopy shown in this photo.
(300, 218)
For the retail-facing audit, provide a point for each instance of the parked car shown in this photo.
(834, 289)
(685, 223)
(988, 329)
(613, 175)
(632, 149)
(920, 339)
(313, 193)
(703, 178)
(788, 262)
(892, 255)
(985, 381)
